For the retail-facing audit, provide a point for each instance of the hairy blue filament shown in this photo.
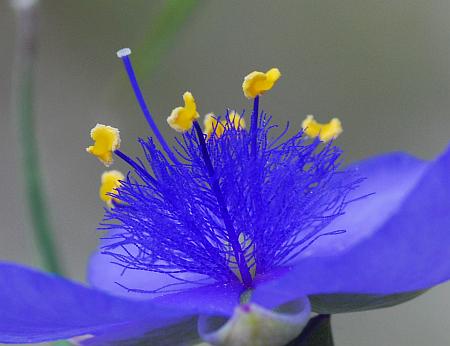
(140, 98)
(225, 210)
(135, 165)
(233, 236)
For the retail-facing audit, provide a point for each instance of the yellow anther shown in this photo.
(106, 140)
(257, 83)
(182, 118)
(325, 132)
(109, 183)
(236, 120)
(212, 125)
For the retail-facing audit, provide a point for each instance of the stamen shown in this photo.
(234, 121)
(254, 125)
(109, 183)
(106, 140)
(222, 213)
(325, 132)
(232, 234)
(182, 118)
(141, 170)
(257, 83)
(212, 126)
(124, 54)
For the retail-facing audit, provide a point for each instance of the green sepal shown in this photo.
(316, 333)
(340, 303)
(183, 333)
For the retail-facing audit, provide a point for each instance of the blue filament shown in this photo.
(226, 210)
(139, 168)
(140, 98)
(232, 235)
(254, 123)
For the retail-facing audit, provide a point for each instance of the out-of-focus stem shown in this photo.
(23, 98)
(162, 33)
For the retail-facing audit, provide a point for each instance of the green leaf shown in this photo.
(339, 303)
(316, 333)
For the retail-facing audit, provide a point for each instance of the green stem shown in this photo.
(160, 36)
(23, 101)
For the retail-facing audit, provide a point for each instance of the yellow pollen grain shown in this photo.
(106, 140)
(325, 132)
(110, 181)
(257, 83)
(182, 118)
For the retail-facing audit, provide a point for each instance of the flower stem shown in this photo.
(23, 97)
(162, 33)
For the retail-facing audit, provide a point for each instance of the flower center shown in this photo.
(225, 203)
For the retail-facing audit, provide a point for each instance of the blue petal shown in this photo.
(205, 298)
(111, 277)
(408, 251)
(40, 307)
(183, 333)
(390, 178)
(215, 299)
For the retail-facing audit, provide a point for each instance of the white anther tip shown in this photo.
(123, 52)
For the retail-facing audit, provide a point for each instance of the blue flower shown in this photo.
(239, 217)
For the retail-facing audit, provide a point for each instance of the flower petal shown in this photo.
(390, 178)
(183, 333)
(217, 299)
(41, 307)
(202, 297)
(253, 325)
(408, 251)
(111, 277)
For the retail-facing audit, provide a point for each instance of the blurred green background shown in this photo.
(383, 67)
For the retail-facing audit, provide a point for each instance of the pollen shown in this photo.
(110, 181)
(106, 140)
(257, 83)
(182, 118)
(325, 132)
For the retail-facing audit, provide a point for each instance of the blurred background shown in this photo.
(382, 67)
